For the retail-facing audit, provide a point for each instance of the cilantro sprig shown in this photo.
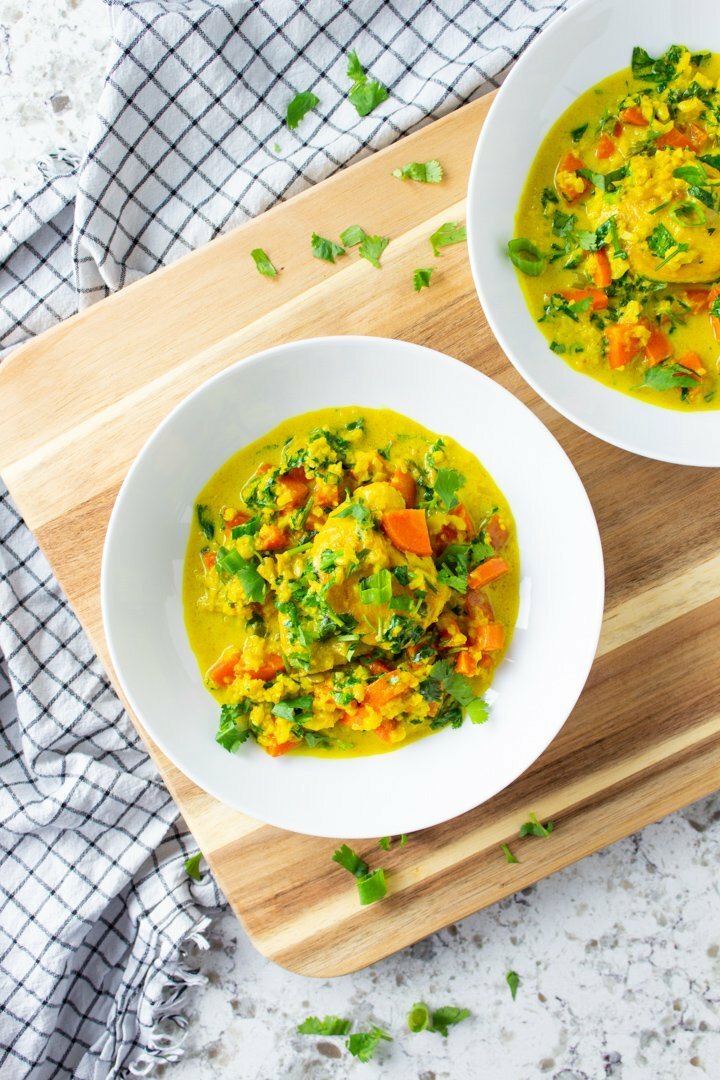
(325, 249)
(423, 172)
(365, 94)
(448, 234)
(363, 1044)
(421, 278)
(533, 827)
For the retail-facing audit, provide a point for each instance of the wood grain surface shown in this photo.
(644, 739)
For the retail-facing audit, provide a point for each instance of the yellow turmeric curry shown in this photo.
(616, 240)
(350, 583)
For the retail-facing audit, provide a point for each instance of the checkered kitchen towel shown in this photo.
(190, 140)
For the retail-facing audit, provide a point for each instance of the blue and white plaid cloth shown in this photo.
(95, 907)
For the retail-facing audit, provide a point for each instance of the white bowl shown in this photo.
(584, 45)
(428, 781)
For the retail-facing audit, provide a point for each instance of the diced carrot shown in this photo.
(408, 531)
(496, 532)
(570, 163)
(237, 519)
(209, 557)
(295, 488)
(325, 494)
(381, 691)
(697, 135)
(451, 534)
(404, 482)
(698, 299)
(268, 669)
(602, 274)
(658, 347)
(598, 297)
(461, 511)
(489, 638)
(222, 673)
(487, 572)
(674, 138)
(692, 361)
(477, 603)
(633, 116)
(466, 663)
(272, 538)
(623, 343)
(605, 148)
(280, 748)
(265, 467)
(714, 320)
(384, 731)
(617, 129)
(378, 667)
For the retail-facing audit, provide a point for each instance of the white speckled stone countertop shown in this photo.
(619, 956)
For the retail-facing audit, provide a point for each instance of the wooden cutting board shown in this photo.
(79, 402)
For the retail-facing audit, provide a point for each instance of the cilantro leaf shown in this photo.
(325, 249)
(447, 234)
(232, 562)
(352, 236)
(509, 857)
(228, 734)
(204, 520)
(299, 107)
(513, 980)
(350, 860)
(192, 866)
(248, 528)
(358, 511)
(577, 133)
(447, 483)
(355, 70)
(667, 377)
(331, 1025)
(662, 70)
(296, 710)
(363, 1044)
(445, 1016)
(604, 181)
(692, 174)
(372, 248)
(262, 262)
(424, 172)
(534, 828)
(367, 96)
(713, 160)
(421, 278)
(384, 843)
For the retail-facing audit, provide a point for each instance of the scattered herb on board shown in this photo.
(299, 107)
(385, 841)
(445, 1017)
(534, 828)
(447, 234)
(509, 857)
(372, 248)
(325, 249)
(513, 980)
(421, 278)
(331, 1025)
(371, 884)
(364, 94)
(262, 262)
(352, 236)
(424, 172)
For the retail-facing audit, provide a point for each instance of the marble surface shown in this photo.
(619, 956)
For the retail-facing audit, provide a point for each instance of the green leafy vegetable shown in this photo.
(299, 107)
(513, 980)
(296, 710)
(418, 1017)
(446, 1016)
(331, 1025)
(425, 172)
(205, 521)
(263, 263)
(447, 483)
(421, 278)
(667, 377)
(534, 828)
(367, 96)
(232, 562)
(325, 249)
(527, 256)
(577, 133)
(693, 174)
(363, 1044)
(228, 734)
(713, 160)
(358, 511)
(460, 688)
(192, 866)
(509, 857)
(661, 240)
(377, 588)
(604, 181)
(248, 528)
(372, 248)
(661, 71)
(352, 236)
(447, 234)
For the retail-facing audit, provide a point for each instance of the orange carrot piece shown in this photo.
(381, 691)
(296, 486)
(384, 731)
(489, 638)
(692, 361)
(477, 603)
(407, 530)
(209, 557)
(633, 116)
(280, 748)
(617, 129)
(404, 482)
(466, 663)
(598, 297)
(658, 348)
(605, 148)
(697, 135)
(714, 320)
(698, 299)
(602, 274)
(272, 538)
(496, 532)
(674, 138)
(222, 673)
(487, 572)
(238, 519)
(570, 164)
(271, 666)
(623, 344)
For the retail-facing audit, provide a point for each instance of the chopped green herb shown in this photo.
(384, 843)
(447, 234)
(377, 588)
(299, 107)
(662, 71)
(447, 483)
(296, 710)
(372, 887)
(604, 181)
(509, 857)
(513, 980)
(205, 521)
(425, 172)
(667, 377)
(232, 562)
(713, 160)
(331, 1025)
(421, 278)
(548, 198)
(527, 256)
(228, 734)
(192, 866)
(693, 174)
(534, 828)
(352, 236)
(363, 1044)
(367, 96)
(446, 1016)
(248, 528)
(325, 249)
(372, 248)
(418, 1017)
(263, 263)
(577, 133)
(403, 840)
(358, 511)
(355, 70)
(349, 860)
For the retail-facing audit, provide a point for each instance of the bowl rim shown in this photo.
(560, 24)
(573, 687)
